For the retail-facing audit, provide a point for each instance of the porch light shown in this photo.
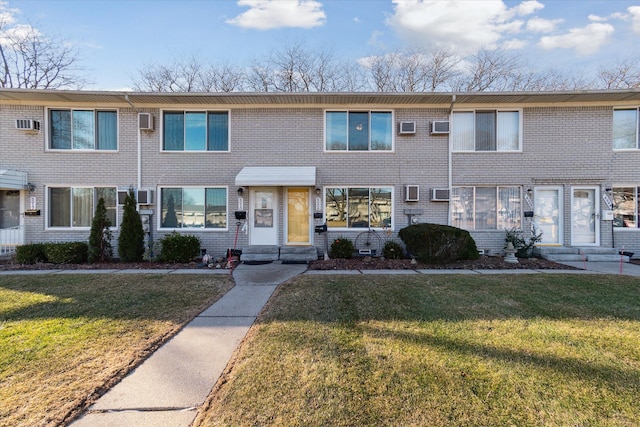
(240, 191)
(318, 191)
(30, 187)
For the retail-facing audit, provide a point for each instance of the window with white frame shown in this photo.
(194, 207)
(358, 207)
(625, 129)
(195, 131)
(486, 130)
(626, 207)
(83, 129)
(71, 207)
(358, 131)
(486, 208)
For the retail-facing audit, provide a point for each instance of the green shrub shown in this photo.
(392, 250)
(523, 247)
(342, 248)
(131, 239)
(436, 243)
(100, 248)
(67, 252)
(31, 253)
(176, 247)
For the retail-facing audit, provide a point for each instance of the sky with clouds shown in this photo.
(117, 37)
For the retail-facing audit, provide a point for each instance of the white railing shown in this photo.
(9, 239)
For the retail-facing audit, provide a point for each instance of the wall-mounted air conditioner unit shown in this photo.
(145, 121)
(411, 193)
(27, 124)
(145, 196)
(439, 128)
(407, 128)
(439, 194)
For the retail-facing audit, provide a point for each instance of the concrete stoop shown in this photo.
(577, 254)
(286, 254)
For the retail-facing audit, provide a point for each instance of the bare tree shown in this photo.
(624, 74)
(32, 61)
(489, 70)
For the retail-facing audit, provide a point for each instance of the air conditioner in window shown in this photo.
(407, 128)
(145, 121)
(145, 196)
(439, 194)
(411, 193)
(27, 124)
(439, 128)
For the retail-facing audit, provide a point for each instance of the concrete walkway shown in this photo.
(169, 387)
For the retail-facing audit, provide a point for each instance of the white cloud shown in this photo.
(7, 14)
(635, 18)
(270, 14)
(460, 25)
(539, 25)
(585, 41)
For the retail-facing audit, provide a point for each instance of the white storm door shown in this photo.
(263, 216)
(585, 221)
(548, 214)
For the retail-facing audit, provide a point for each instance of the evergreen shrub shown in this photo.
(436, 243)
(176, 247)
(342, 248)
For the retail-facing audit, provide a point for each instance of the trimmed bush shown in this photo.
(100, 248)
(436, 243)
(176, 247)
(131, 239)
(392, 250)
(31, 253)
(67, 252)
(342, 248)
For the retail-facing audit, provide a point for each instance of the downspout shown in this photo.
(139, 163)
(450, 166)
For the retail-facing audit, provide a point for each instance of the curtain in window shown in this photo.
(107, 130)
(60, 129)
(336, 132)
(462, 133)
(508, 130)
(196, 131)
(485, 208)
(509, 208)
(485, 131)
(173, 131)
(336, 207)
(59, 207)
(381, 131)
(82, 201)
(109, 196)
(218, 131)
(171, 207)
(625, 126)
(216, 208)
(83, 130)
(462, 207)
(359, 131)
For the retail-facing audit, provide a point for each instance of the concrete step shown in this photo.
(260, 253)
(607, 258)
(565, 253)
(563, 257)
(295, 254)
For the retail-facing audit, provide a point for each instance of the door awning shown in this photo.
(276, 176)
(13, 180)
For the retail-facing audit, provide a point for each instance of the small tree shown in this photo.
(131, 239)
(100, 238)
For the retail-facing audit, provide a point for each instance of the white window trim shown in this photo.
(47, 142)
(359, 229)
(489, 230)
(348, 110)
(189, 230)
(637, 147)
(497, 110)
(193, 110)
(47, 227)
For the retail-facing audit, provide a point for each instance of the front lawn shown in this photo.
(65, 338)
(463, 350)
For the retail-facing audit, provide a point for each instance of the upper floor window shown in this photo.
(358, 207)
(625, 129)
(359, 131)
(193, 207)
(71, 207)
(83, 130)
(485, 130)
(486, 208)
(195, 131)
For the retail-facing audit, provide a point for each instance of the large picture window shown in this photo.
(486, 208)
(626, 207)
(194, 207)
(72, 207)
(625, 129)
(195, 131)
(83, 130)
(358, 207)
(485, 130)
(359, 131)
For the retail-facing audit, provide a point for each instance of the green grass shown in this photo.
(498, 350)
(65, 338)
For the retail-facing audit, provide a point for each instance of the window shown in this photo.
(626, 207)
(83, 130)
(358, 207)
(490, 130)
(625, 129)
(194, 207)
(195, 131)
(72, 207)
(486, 208)
(359, 131)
